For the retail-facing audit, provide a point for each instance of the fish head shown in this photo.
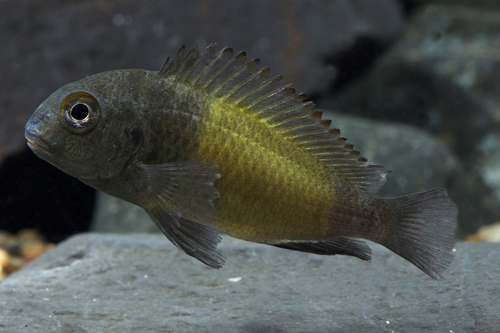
(86, 128)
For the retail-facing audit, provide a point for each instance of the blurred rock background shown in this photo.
(413, 84)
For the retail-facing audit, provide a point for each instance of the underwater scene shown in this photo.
(250, 166)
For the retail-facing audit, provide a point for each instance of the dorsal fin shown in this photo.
(231, 78)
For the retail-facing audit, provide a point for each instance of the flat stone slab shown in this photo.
(142, 283)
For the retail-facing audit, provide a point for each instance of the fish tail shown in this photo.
(422, 230)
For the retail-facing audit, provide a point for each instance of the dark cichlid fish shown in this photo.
(211, 143)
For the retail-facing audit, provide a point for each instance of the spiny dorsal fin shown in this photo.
(231, 78)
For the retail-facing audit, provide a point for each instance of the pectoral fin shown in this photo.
(179, 199)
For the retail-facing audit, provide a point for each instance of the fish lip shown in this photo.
(35, 142)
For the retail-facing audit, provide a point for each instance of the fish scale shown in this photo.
(279, 162)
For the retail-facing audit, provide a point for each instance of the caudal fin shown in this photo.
(423, 230)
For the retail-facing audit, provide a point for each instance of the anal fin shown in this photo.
(341, 245)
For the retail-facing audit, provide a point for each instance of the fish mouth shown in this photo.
(35, 142)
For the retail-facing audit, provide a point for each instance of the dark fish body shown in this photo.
(211, 144)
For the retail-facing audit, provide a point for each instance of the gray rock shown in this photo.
(419, 162)
(440, 74)
(48, 44)
(115, 215)
(141, 283)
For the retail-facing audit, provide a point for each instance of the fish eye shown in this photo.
(79, 112)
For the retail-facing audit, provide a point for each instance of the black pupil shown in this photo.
(80, 112)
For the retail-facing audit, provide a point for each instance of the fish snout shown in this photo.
(36, 142)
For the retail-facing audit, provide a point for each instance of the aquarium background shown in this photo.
(413, 84)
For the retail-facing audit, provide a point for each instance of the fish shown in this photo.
(213, 144)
